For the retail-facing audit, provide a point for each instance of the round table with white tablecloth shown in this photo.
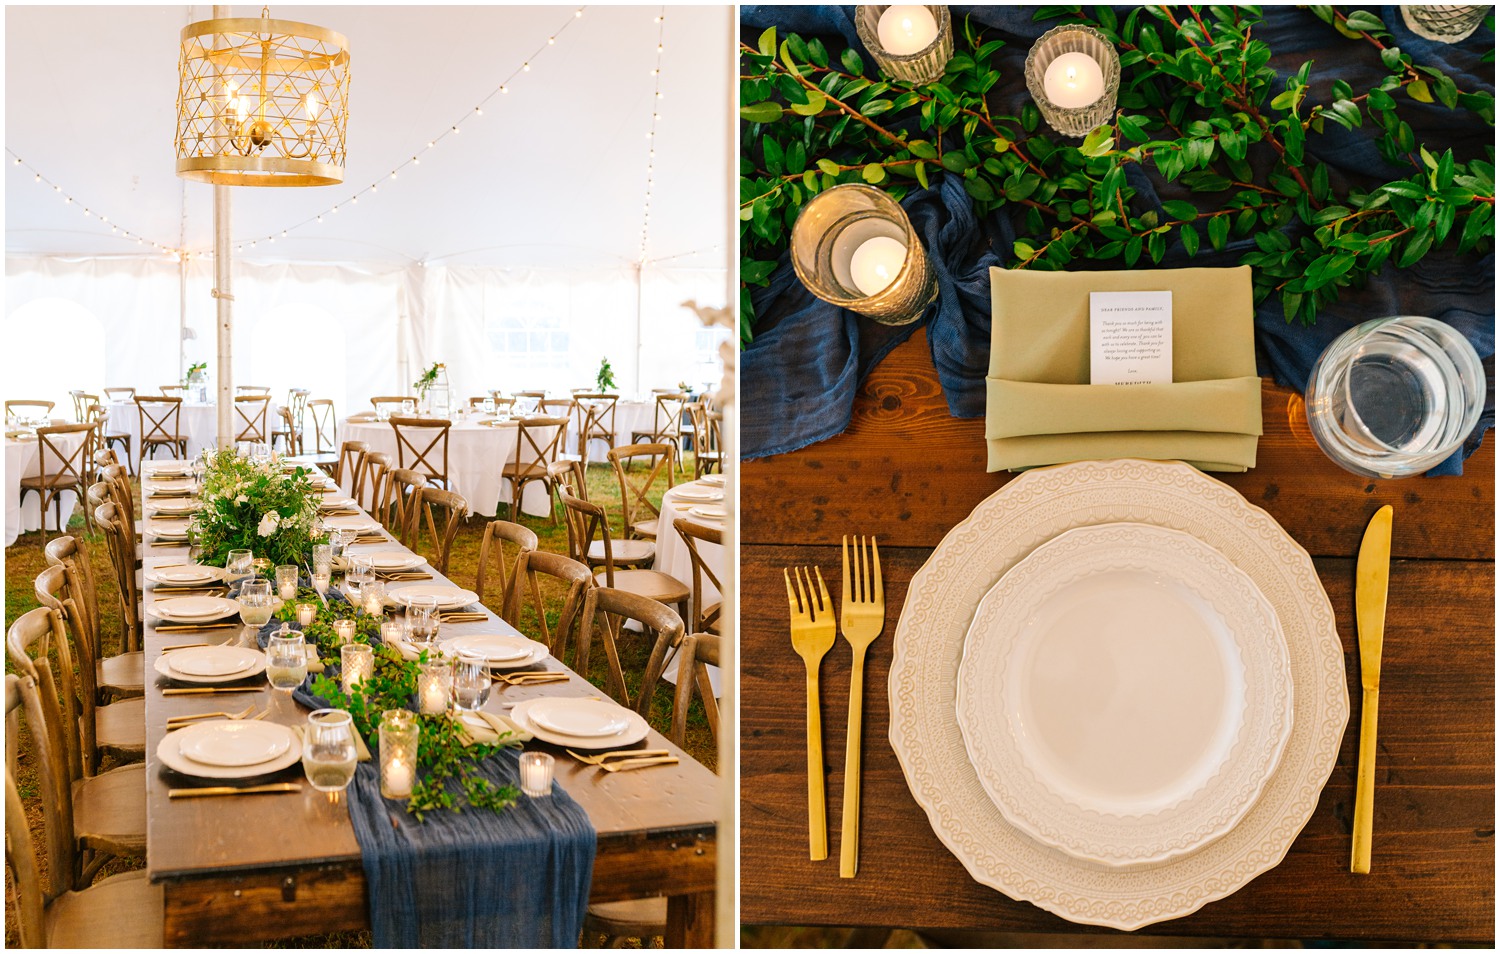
(629, 417)
(199, 423)
(671, 552)
(23, 458)
(476, 453)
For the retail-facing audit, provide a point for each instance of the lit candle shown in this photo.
(536, 774)
(393, 631)
(904, 30)
(398, 778)
(876, 263)
(305, 614)
(433, 684)
(374, 598)
(358, 664)
(1073, 80)
(344, 630)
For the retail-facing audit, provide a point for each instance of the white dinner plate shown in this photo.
(635, 731)
(226, 744)
(691, 492)
(213, 660)
(928, 644)
(579, 718)
(169, 752)
(709, 511)
(715, 480)
(163, 665)
(186, 575)
(389, 560)
(494, 647)
(336, 502)
(448, 597)
(164, 485)
(166, 472)
(537, 653)
(1124, 694)
(193, 608)
(351, 522)
(175, 505)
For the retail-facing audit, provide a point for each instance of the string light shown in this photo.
(454, 128)
(651, 137)
(88, 212)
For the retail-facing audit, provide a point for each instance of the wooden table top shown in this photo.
(908, 472)
(209, 838)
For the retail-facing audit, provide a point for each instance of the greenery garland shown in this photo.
(256, 506)
(1197, 103)
(441, 749)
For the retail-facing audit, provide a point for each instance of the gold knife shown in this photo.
(1372, 576)
(228, 790)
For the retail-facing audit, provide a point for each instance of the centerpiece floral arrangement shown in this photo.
(605, 378)
(254, 506)
(428, 378)
(196, 373)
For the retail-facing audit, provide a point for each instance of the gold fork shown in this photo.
(600, 758)
(861, 620)
(812, 636)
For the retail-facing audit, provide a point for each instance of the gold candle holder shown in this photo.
(854, 247)
(897, 37)
(399, 736)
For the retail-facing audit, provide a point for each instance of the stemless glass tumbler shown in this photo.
(1394, 397)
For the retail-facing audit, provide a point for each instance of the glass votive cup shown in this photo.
(1443, 23)
(434, 686)
(1072, 41)
(344, 630)
(1395, 397)
(286, 581)
(358, 662)
(322, 556)
(844, 244)
(536, 774)
(328, 752)
(261, 567)
(880, 24)
(399, 735)
(373, 596)
(306, 613)
(393, 631)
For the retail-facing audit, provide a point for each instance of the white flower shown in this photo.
(268, 523)
(241, 499)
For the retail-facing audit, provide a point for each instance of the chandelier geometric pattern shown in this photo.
(262, 102)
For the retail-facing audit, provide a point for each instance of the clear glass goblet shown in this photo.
(328, 753)
(286, 659)
(471, 680)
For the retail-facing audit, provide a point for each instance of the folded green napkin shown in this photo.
(1042, 410)
(498, 725)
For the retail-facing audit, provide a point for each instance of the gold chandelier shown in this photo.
(262, 102)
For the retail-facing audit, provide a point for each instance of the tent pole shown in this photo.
(640, 272)
(224, 299)
(182, 270)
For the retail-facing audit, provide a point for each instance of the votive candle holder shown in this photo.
(393, 631)
(922, 66)
(306, 613)
(834, 226)
(1443, 23)
(536, 774)
(434, 686)
(399, 737)
(286, 581)
(344, 630)
(373, 596)
(1056, 42)
(358, 664)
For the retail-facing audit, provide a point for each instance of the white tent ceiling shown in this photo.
(552, 174)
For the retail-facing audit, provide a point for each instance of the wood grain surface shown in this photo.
(907, 471)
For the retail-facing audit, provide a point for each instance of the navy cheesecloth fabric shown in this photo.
(803, 368)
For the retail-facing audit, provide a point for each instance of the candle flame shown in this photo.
(1072, 73)
(906, 26)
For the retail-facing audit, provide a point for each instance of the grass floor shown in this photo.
(24, 560)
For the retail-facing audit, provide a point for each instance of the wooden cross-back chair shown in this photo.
(291, 438)
(588, 525)
(99, 816)
(124, 910)
(537, 441)
(635, 494)
(425, 502)
(119, 395)
(253, 389)
(25, 407)
(497, 533)
(60, 470)
(698, 652)
(594, 419)
(104, 438)
(160, 420)
(114, 680)
(118, 729)
(120, 491)
(707, 457)
(325, 425)
(606, 609)
(703, 619)
(666, 421)
(250, 416)
(405, 492)
(527, 401)
(555, 407)
(173, 390)
(504, 403)
(82, 401)
(425, 441)
(578, 578)
(352, 465)
(392, 402)
(377, 480)
(120, 538)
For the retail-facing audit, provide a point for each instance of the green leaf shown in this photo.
(1097, 143)
(873, 172)
(1022, 250)
(877, 106)
(1427, 158)
(829, 166)
(756, 273)
(922, 149)
(1447, 92)
(813, 106)
(1132, 251)
(955, 161)
(1020, 187)
(761, 112)
(1381, 100)
(1189, 240)
(774, 157)
(767, 42)
(1364, 21)
(980, 189)
(1479, 224)
(921, 170)
(1416, 247)
(1218, 231)
(1419, 91)
(1133, 128)
(852, 62)
(1405, 189)
(1391, 57)
(1178, 209)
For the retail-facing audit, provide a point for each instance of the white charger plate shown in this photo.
(185, 575)
(537, 653)
(494, 647)
(389, 560)
(716, 480)
(237, 744)
(175, 505)
(928, 644)
(213, 660)
(709, 512)
(163, 665)
(448, 597)
(635, 732)
(169, 753)
(1124, 694)
(351, 522)
(579, 718)
(196, 609)
(692, 492)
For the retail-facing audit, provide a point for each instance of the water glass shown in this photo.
(256, 604)
(238, 565)
(471, 680)
(286, 659)
(286, 581)
(382, 412)
(422, 620)
(1394, 397)
(328, 753)
(488, 405)
(408, 407)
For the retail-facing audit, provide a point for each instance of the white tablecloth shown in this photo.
(672, 558)
(24, 459)
(476, 453)
(199, 423)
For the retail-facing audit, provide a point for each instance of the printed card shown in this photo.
(1130, 338)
